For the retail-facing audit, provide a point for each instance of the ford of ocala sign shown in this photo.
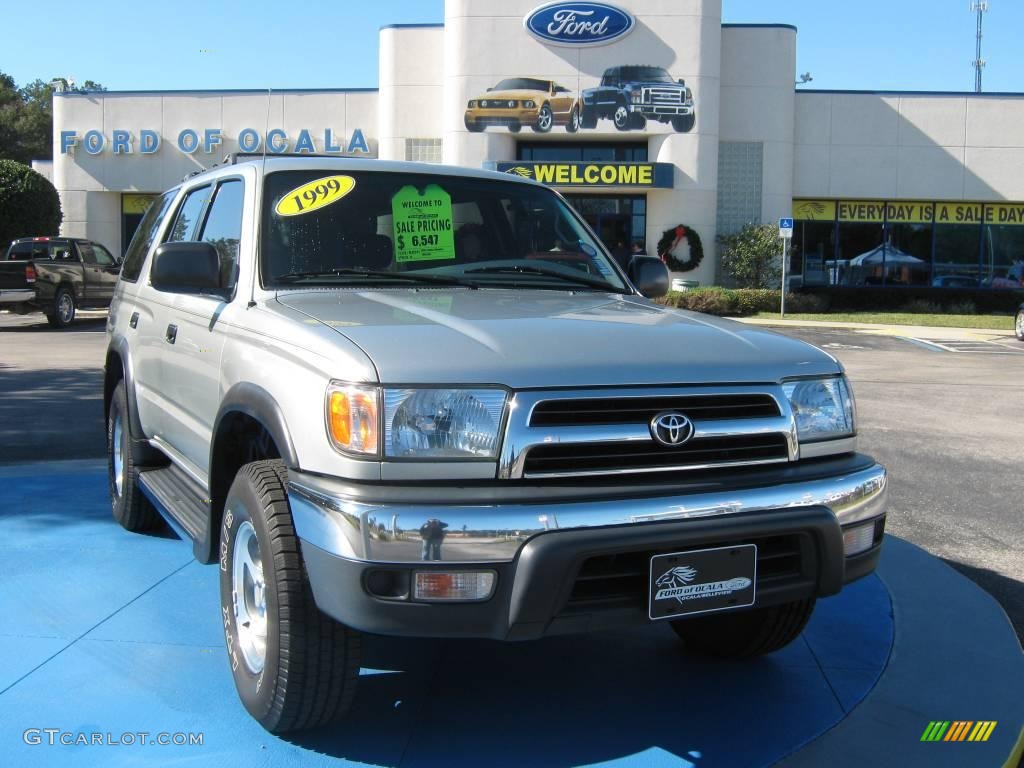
(578, 23)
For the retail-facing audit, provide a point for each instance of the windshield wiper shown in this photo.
(530, 269)
(377, 274)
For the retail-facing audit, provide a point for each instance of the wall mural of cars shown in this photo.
(524, 101)
(629, 96)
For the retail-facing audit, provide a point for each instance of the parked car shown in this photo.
(954, 281)
(372, 426)
(56, 276)
(1010, 279)
(1018, 323)
(630, 96)
(519, 101)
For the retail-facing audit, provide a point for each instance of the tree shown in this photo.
(29, 204)
(26, 118)
(753, 256)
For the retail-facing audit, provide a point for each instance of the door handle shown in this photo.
(134, 320)
(172, 333)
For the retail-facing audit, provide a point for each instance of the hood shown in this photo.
(518, 94)
(526, 339)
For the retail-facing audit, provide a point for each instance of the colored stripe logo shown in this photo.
(958, 730)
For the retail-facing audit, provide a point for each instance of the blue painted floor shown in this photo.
(114, 633)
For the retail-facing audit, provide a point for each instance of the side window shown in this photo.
(135, 256)
(62, 252)
(20, 251)
(88, 256)
(103, 257)
(186, 223)
(223, 228)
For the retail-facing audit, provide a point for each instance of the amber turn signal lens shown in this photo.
(352, 418)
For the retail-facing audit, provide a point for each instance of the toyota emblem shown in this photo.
(671, 428)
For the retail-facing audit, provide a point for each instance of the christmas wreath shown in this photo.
(670, 240)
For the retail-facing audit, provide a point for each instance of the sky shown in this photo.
(857, 44)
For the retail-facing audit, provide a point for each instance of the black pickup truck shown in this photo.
(56, 276)
(632, 95)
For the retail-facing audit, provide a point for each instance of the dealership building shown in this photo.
(647, 115)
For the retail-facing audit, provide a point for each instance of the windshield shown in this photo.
(522, 84)
(411, 230)
(646, 75)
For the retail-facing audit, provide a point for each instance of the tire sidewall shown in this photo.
(61, 322)
(1017, 324)
(118, 407)
(255, 690)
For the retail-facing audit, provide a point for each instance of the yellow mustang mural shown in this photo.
(519, 101)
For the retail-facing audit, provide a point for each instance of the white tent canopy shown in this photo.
(892, 255)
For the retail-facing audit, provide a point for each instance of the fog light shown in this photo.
(858, 539)
(455, 585)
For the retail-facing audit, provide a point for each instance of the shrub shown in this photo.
(962, 307)
(753, 257)
(713, 301)
(921, 307)
(29, 204)
(808, 303)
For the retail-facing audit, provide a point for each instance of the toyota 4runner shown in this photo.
(413, 400)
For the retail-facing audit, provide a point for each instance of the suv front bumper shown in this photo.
(538, 550)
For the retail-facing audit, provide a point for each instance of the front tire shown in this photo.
(744, 634)
(684, 123)
(63, 313)
(473, 126)
(1018, 325)
(621, 117)
(131, 508)
(545, 119)
(294, 667)
(588, 118)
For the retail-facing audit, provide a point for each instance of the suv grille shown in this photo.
(649, 456)
(640, 410)
(587, 432)
(619, 581)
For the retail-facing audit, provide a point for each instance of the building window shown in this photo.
(618, 220)
(909, 243)
(583, 152)
(423, 150)
(740, 180)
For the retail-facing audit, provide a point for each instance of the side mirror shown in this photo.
(681, 81)
(650, 276)
(489, 90)
(186, 268)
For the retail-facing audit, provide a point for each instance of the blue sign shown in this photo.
(578, 23)
(785, 223)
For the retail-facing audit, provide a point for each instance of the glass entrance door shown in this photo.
(619, 221)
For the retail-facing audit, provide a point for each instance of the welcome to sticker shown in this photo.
(423, 224)
(314, 195)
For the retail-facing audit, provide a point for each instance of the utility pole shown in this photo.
(979, 7)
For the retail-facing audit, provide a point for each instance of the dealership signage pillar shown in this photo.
(786, 233)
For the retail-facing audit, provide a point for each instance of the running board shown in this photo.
(183, 504)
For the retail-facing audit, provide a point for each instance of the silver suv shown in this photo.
(413, 400)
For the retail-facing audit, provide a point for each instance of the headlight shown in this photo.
(511, 104)
(823, 408)
(471, 105)
(636, 97)
(530, 104)
(442, 423)
(352, 418)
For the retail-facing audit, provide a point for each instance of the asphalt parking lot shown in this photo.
(943, 417)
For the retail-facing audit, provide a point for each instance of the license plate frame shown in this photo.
(677, 584)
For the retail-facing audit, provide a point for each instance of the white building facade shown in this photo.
(649, 115)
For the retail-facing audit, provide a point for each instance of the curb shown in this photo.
(955, 656)
(912, 331)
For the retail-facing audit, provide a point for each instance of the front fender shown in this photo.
(256, 402)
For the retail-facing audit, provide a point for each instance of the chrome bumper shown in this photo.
(389, 533)
(16, 295)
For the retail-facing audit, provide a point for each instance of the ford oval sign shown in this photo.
(578, 23)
